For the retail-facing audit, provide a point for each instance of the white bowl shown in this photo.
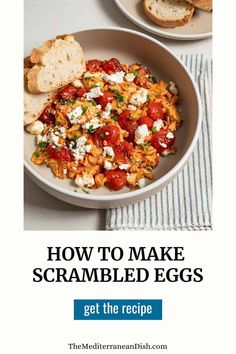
(129, 47)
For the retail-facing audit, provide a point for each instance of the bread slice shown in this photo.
(34, 104)
(168, 13)
(56, 63)
(202, 4)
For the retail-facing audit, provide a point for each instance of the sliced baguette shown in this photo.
(34, 104)
(168, 13)
(56, 63)
(202, 4)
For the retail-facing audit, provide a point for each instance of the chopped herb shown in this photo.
(135, 73)
(37, 154)
(154, 130)
(77, 136)
(68, 102)
(85, 191)
(115, 116)
(113, 110)
(102, 135)
(42, 144)
(144, 146)
(75, 190)
(57, 148)
(120, 98)
(91, 129)
(148, 97)
(84, 109)
(93, 102)
(95, 85)
(87, 77)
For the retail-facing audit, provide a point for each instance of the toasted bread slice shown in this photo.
(56, 63)
(202, 4)
(34, 104)
(168, 13)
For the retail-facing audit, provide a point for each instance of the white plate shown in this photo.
(199, 27)
(129, 47)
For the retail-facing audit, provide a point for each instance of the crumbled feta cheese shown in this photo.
(107, 112)
(173, 89)
(65, 171)
(166, 152)
(35, 128)
(107, 165)
(107, 150)
(139, 97)
(117, 77)
(62, 132)
(85, 180)
(98, 106)
(73, 115)
(78, 149)
(88, 74)
(54, 139)
(95, 92)
(132, 107)
(163, 145)
(140, 134)
(87, 148)
(92, 124)
(77, 83)
(158, 124)
(129, 77)
(124, 166)
(41, 139)
(170, 135)
(141, 182)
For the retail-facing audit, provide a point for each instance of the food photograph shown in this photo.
(117, 115)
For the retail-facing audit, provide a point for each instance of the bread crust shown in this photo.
(167, 23)
(34, 104)
(201, 4)
(38, 59)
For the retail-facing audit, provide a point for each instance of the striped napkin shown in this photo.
(185, 204)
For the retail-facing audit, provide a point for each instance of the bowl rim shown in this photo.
(154, 185)
(161, 32)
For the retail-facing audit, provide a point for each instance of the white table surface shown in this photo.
(44, 20)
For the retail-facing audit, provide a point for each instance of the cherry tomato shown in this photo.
(107, 135)
(131, 126)
(47, 116)
(123, 118)
(107, 97)
(155, 110)
(93, 65)
(162, 140)
(62, 154)
(111, 66)
(81, 91)
(146, 120)
(69, 92)
(116, 179)
(123, 151)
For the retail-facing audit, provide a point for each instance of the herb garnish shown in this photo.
(85, 191)
(135, 73)
(42, 144)
(36, 153)
(93, 102)
(84, 109)
(154, 130)
(148, 97)
(68, 102)
(91, 129)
